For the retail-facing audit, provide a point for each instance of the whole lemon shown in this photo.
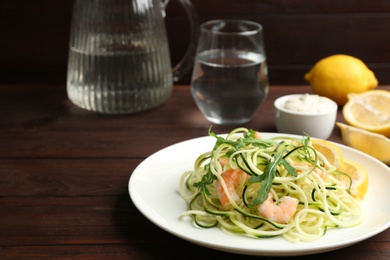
(338, 75)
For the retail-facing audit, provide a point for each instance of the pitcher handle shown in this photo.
(187, 61)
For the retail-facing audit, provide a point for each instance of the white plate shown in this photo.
(153, 188)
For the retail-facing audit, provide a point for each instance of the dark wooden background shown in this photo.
(34, 35)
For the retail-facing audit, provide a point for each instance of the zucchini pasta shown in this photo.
(268, 187)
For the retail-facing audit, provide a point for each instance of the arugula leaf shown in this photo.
(290, 169)
(247, 138)
(306, 140)
(269, 172)
(206, 180)
(267, 178)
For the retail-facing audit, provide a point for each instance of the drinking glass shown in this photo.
(230, 78)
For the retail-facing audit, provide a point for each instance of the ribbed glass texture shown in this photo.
(119, 59)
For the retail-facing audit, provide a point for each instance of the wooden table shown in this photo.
(64, 173)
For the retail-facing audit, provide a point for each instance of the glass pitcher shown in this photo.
(119, 60)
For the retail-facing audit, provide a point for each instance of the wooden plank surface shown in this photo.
(46, 121)
(64, 176)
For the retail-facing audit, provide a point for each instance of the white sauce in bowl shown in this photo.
(310, 104)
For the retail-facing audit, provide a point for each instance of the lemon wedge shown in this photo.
(369, 110)
(359, 177)
(331, 151)
(376, 145)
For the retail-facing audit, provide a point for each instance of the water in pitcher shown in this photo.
(229, 86)
(119, 81)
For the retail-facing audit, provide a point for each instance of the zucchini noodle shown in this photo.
(248, 185)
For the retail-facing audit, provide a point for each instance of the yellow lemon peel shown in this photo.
(376, 145)
(359, 178)
(338, 75)
(369, 110)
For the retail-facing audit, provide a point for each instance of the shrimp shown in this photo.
(257, 135)
(233, 178)
(322, 172)
(281, 213)
(223, 161)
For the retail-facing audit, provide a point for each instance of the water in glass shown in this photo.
(229, 85)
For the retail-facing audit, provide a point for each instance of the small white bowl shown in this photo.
(316, 119)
